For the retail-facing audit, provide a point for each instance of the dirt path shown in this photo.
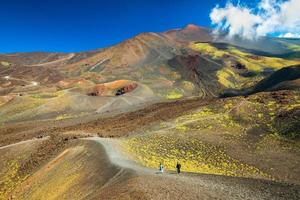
(114, 154)
(231, 187)
(68, 57)
(24, 142)
(29, 83)
(111, 175)
(97, 64)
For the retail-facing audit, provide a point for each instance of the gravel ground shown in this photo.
(191, 185)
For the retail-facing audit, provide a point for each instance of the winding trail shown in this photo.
(24, 142)
(230, 187)
(113, 175)
(68, 57)
(29, 83)
(114, 154)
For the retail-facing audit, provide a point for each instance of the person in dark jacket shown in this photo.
(178, 166)
(161, 168)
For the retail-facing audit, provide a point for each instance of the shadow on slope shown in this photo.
(285, 78)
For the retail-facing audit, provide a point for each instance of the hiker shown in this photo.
(178, 166)
(161, 168)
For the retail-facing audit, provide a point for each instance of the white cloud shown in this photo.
(239, 20)
(269, 16)
(290, 35)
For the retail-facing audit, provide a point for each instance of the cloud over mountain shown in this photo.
(269, 17)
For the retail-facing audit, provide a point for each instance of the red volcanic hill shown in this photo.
(190, 33)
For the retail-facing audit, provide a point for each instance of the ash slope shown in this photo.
(164, 66)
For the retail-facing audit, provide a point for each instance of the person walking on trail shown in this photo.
(178, 166)
(161, 168)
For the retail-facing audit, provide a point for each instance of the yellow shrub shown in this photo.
(174, 94)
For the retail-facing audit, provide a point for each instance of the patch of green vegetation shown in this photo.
(194, 155)
(11, 178)
(25, 104)
(174, 94)
(293, 47)
(250, 65)
(5, 64)
(69, 116)
(252, 62)
(228, 105)
(205, 112)
(255, 64)
(235, 51)
(287, 123)
(44, 95)
(276, 116)
(293, 106)
(189, 138)
(228, 78)
(271, 140)
(181, 127)
(217, 119)
(208, 49)
(15, 109)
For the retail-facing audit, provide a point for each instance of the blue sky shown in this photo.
(78, 25)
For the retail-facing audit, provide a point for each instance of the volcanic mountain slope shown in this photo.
(33, 58)
(160, 93)
(284, 79)
(190, 33)
(237, 136)
(163, 66)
